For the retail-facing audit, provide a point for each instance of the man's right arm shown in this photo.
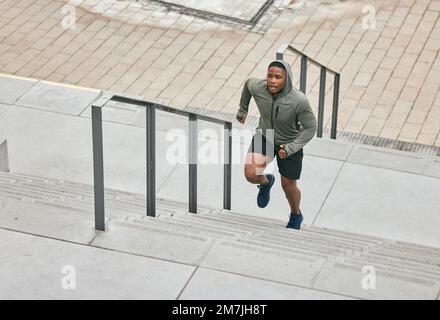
(244, 102)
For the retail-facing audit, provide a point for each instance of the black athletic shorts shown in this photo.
(289, 167)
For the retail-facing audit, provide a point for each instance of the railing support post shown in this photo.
(280, 52)
(321, 102)
(303, 77)
(335, 106)
(192, 157)
(98, 168)
(4, 158)
(151, 160)
(227, 174)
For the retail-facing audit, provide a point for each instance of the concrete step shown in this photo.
(323, 248)
(428, 257)
(311, 244)
(46, 220)
(61, 187)
(310, 230)
(71, 193)
(201, 224)
(235, 216)
(324, 238)
(414, 248)
(188, 222)
(69, 197)
(81, 204)
(401, 264)
(185, 228)
(393, 271)
(276, 229)
(214, 220)
(64, 193)
(340, 241)
(152, 241)
(280, 251)
(343, 235)
(220, 239)
(231, 239)
(273, 235)
(239, 217)
(320, 252)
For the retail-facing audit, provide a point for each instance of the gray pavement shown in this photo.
(353, 188)
(102, 274)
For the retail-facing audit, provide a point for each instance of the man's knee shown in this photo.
(289, 185)
(252, 173)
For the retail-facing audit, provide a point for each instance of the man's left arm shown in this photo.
(308, 121)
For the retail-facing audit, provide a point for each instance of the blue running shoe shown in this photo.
(295, 221)
(264, 193)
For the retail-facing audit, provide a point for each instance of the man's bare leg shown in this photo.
(293, 194)
(254, 167)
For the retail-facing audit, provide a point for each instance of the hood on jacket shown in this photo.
(289, 82)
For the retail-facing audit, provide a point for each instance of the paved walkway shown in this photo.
(390, 74)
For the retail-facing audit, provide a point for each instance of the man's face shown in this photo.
(276, 79)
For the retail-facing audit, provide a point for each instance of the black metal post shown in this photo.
(4, 158)
(227, 174)
(192, 157)
(321, 102)
(151, 160)
(335, 106)
(98, 168)
(303, 77)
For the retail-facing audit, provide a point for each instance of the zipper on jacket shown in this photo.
(271, 111)
(276, 113)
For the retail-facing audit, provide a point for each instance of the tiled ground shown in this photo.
(389, 73)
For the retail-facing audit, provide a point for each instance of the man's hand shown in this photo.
(282, 153)
(241, 119)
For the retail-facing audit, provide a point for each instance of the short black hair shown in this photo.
(277, 64)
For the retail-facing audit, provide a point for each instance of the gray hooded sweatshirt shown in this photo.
(289, 114)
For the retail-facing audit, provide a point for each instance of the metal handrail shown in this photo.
(151, 107)
(302, 86)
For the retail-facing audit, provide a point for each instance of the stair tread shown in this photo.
(229, 227)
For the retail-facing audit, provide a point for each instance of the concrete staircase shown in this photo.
(316, 258)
